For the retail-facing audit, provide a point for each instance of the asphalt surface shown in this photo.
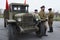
(31, 36)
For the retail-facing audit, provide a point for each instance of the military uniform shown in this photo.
(36, 17)
(35, 14)
(43, 16)
(50, 20)
(6, 16)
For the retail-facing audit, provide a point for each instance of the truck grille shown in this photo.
(27, 20)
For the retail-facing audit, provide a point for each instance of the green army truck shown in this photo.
(19, 21)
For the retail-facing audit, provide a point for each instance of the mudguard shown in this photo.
(11, 21)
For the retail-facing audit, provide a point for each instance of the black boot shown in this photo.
(45, 32)
(51, 29)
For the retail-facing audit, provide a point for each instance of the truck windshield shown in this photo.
(19, 9)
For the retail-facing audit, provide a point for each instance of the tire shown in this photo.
(12, 32)
(5, 24)
(40, 32)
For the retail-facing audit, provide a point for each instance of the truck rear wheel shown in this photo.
(4, 24)
(12, 32)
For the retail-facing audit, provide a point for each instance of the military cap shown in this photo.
(43, 6)
(50, 9)
(36, 10)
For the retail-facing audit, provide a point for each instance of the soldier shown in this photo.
(6, 16)
(36, 11)
(36, 16)
(50, 19)
(43, 16)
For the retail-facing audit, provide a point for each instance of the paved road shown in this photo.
(51, 36)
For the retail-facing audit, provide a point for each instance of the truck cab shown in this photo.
(19, 8)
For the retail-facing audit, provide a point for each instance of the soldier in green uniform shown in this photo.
(50, 19)
(36, 16)
(6, 16)
(43, 16)
(36, 11)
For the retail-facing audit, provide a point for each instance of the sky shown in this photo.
(35, 4)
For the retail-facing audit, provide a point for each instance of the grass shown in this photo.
(1, 16)
(56, 18)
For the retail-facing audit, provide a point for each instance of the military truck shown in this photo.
(19, 21)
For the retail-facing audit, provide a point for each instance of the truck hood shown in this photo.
(19, 14)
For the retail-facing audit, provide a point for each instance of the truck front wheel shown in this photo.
(12, 32)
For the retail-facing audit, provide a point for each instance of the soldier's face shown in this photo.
(36, 11)
(42, 9)
(50, 10)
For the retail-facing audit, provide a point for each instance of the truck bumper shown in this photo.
(28, 30)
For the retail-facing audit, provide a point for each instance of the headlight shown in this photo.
(37, 19)
(19, 19)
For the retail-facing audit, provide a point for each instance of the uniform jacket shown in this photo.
(42, 15)
(50, 16)
(36, 16)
